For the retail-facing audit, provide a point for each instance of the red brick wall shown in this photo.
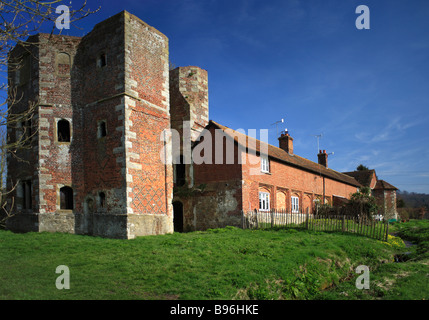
(306, 185)
(98, 162)
(91, 82)
(149, 180)
(189, 99)
(386, 202)
(56, 104)
(206, 173)
(52, 87)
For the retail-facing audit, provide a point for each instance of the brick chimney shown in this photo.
(286, 142)
(323, 158)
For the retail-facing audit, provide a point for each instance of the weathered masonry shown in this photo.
(215, 194)
(102, 104)
(100, 160)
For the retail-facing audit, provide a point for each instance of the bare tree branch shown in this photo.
(19, 20)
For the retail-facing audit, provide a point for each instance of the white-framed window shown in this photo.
(264, 201)
(295, 204)
(265, 164)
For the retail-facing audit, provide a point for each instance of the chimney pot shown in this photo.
(322, 158)
(286, 142)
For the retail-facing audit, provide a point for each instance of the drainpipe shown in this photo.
(165, 173)
(323, 190)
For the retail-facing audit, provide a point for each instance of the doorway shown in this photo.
(178, 216)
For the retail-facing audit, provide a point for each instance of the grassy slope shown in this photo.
(407, 280)
(218, 264)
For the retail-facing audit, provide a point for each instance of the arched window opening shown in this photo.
(281, 201)
(63, 128)
(66, 198)
(63, 64)
(307, 204)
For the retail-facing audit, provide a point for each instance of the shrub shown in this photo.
(395, 242)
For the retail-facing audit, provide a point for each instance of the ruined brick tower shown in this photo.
(95, 165)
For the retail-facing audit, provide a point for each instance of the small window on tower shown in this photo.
(102, 199)
(102, 60)
(180, 172)
(101, 129)
(26, 192)
(23, 70)
(63, 131)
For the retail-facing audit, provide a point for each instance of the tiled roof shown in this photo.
(290, 159)
(381, 184)
(364, 177)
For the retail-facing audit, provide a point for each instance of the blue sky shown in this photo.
(366, 91)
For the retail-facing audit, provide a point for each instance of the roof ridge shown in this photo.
(320, 167)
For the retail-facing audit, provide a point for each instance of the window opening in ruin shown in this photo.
(102, 199)
(180, 173)
(101, 129)
(102, 60)
(26, 193)
(63, 64)
(63, 131)
(23, 70)
(66, 198)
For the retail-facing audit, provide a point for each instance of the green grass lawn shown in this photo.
(225, 263)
